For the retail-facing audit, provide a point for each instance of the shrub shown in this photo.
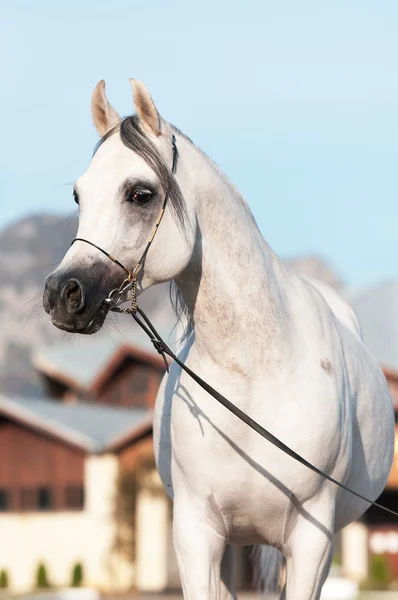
(3, 579)
(77, 575)
(380, 572)
(337, 560)
(41, 577)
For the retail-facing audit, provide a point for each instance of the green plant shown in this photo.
(77, 575)
(380, 572)
(41, 577)
(3, 579)
(337, 560)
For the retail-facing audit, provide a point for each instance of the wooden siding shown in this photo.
(133, 384)
(134, 454)
(392, 379)
(31, 461)
(392, 482)
(131, 378)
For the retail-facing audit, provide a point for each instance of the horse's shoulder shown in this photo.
(343, 312)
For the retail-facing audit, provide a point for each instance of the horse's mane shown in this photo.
(135, 138)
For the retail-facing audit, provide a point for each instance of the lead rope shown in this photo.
(130, 285)
(160, 346)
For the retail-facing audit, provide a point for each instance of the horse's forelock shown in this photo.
(134, 137)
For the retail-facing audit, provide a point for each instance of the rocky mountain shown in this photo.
(29, 250)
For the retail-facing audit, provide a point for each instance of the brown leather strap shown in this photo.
(112, 258)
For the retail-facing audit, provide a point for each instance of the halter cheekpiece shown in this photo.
(115, 296)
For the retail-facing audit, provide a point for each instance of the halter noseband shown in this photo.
(115, 296)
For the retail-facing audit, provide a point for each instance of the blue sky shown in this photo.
(296, 101)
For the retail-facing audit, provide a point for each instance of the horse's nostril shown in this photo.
(49, 295)
(73, 296)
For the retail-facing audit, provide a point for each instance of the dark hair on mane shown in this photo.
(135, 138)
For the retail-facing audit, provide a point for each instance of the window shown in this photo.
(28, 499)
(74, 497)
(4, 500)
(44, 497)
(36, 498)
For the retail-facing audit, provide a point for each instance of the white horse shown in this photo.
(285, 350)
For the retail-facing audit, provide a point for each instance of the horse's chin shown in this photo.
(95, 324)
(80, 326)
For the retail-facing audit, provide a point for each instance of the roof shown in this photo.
(91, 427)
(377, 310)
(130, 437)
(81, 360)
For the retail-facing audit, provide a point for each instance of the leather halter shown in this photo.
(115, 297)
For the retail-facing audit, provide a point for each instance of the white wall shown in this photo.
(354, 546)
(152, 540)
(61, 539)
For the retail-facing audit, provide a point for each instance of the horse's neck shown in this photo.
(233, 284)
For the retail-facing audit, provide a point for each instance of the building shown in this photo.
(57, 488)
(137, 538)
(118, 372)
(65, 461)
(376, 534)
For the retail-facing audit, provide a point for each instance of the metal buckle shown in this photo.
(115, 296)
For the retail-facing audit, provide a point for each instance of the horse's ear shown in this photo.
(145, 107)
(104, 115)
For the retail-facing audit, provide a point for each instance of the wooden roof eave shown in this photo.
(390, 373)
(47, 368)
(134, 435)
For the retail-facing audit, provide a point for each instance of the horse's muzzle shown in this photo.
(75, 302)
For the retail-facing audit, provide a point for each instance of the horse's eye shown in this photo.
(75, 196)
(140, 196)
